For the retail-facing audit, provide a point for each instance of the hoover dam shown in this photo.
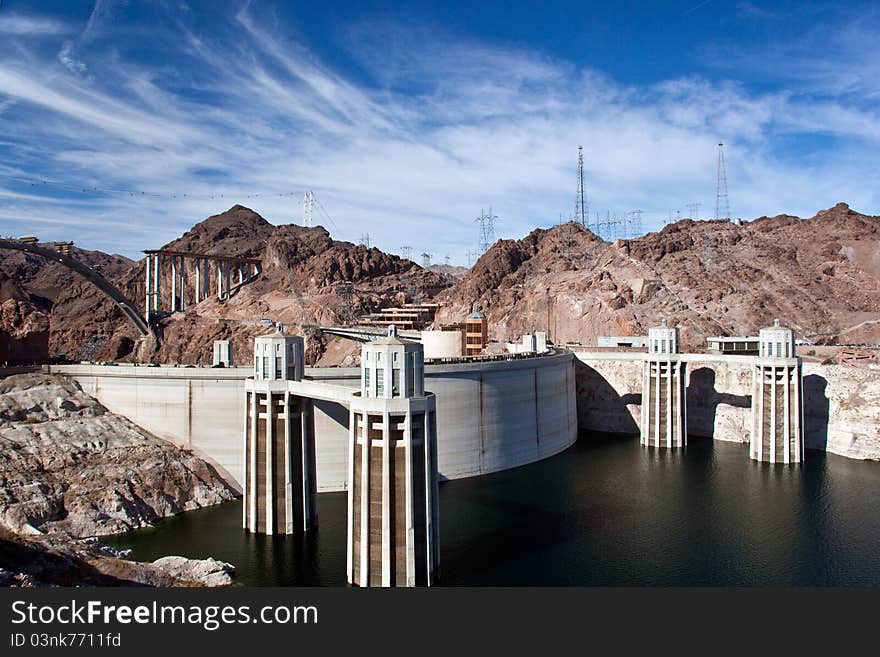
(492, 415)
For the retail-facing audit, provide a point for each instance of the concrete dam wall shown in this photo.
(841, 404)
(490, 416)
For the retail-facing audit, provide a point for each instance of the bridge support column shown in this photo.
(182, 283)
(148, 286)
(206, 287)
(156, 282)
(198, 298)
(173, 284)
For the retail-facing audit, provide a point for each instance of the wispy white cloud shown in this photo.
(439, 129)
(24, 25)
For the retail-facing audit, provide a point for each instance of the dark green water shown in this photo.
(605, 512)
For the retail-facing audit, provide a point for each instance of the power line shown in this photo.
(87, 189)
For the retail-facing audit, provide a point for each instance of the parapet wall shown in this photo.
(490, 416)
(841, 404)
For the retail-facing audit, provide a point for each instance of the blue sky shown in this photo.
(123, 123)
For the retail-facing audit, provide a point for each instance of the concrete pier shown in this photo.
(663, 420)
(777, 399)
(280, 475)
(248, 269)
(393, 517)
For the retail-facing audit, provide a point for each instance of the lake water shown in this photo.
(604, 512)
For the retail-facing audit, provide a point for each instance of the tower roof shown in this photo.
(392, 338)
(777, 326)
(476, 315)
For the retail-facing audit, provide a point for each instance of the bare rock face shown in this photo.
(821, 275)
(204, 572)
(24, 332)
(67, 465)
(55, 560)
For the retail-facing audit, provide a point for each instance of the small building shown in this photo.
(443, 343)
(622, 341)
(733, 345)
(532, 343)
(410, 316)
(222, 353)
(476, 334)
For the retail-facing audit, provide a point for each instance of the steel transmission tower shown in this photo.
(635, 224)
(722, 205)
(426, 260)
(308, 207)
(581, 211)
(487, 230)
(406, 252)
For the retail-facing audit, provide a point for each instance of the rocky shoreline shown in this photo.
(71, 471)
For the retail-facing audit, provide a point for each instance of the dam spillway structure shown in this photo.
(393, 516)
(279, 483)
(777, 399)
(663, 419)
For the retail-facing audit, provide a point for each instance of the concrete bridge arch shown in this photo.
(95, 278)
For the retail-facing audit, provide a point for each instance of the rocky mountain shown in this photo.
(453, 271)
(820, 275)
(30, 288)
(305, 273)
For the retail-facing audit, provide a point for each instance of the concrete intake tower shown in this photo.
(279, 483)
(393, 517)
(664, 422)
(777, 399)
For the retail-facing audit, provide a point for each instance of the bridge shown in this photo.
(367, 334)
(245, 269)
(91, 275)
